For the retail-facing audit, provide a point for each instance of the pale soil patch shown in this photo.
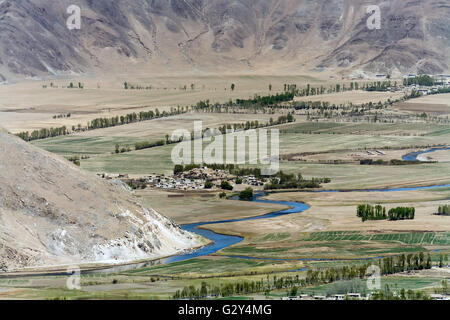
(188, 207)
(438, 104)
(355, 97)
(443, 99)
(440, 156)
(431, 273)
(354, 156)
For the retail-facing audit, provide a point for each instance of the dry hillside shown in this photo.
(171, 36)
(53, 213)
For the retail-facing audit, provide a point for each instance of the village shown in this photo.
(196, 179)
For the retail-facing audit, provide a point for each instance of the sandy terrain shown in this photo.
(433, 104)
(355, 97)
(354, 156)
(440, 156)
(29, 106)
(332, 211)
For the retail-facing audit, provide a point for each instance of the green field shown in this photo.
(424, 238)
(367, 128)
(394, 283)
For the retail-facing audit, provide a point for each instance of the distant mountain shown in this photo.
(222, 35)
(52, 213)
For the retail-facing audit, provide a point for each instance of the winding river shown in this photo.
(221, 241)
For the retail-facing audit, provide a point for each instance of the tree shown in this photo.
(232, 86)
(203, 290)
(429, 262)
(294, 291)
(208, 184)
(225, 185)
(246, 194)
(178, 169)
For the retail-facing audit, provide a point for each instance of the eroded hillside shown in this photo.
(222, 36)
(53, 213)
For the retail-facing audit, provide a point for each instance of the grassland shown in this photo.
(193, 207)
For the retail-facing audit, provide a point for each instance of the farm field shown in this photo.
(103, 141)
(28, 106)
(306, 235)
(327, 235)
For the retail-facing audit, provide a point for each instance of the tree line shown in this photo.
(291, 181)
(314, 277)
(99, 123)
(444, 210)
(378, 212)
(266, 100)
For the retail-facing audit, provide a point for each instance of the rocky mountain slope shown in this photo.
(222, 36)
(52, 213)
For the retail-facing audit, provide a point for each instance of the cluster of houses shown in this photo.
(252, 181)
(163, 182)
(441, 81)
(196, 179)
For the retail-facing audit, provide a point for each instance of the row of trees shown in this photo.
(422, 80)
(369, 212)
(388, 265)
(43, 133)
(444, 210)
(380, 86)
(265, 100)
(132, 117)
(402, 213)
(147, 144)
(100, 123)
(291, 181)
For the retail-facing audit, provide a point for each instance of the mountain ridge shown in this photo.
(221, 35)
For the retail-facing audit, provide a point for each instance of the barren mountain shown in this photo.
(222, 36)
(52, 213)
